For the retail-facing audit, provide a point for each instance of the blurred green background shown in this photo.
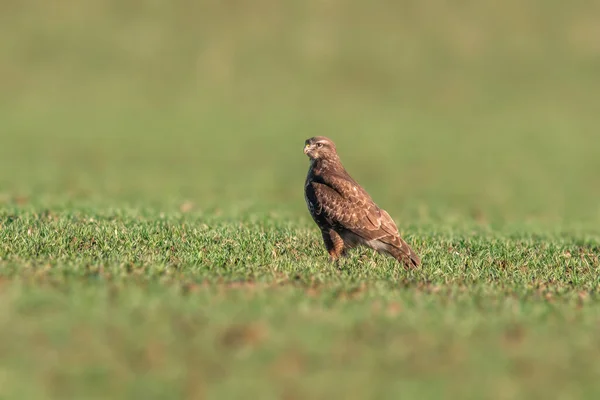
(442, 110)
(154, 241)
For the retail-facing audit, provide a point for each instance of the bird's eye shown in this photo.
(319, 144)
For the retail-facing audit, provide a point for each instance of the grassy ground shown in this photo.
(154, 241)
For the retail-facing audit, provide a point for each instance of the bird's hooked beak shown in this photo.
(306, 148)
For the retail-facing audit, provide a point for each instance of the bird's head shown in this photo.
(320, 148)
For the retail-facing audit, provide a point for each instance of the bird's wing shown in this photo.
(343, 202)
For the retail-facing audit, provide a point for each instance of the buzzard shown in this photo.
(344, 211)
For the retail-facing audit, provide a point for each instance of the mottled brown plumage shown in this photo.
(344, 211)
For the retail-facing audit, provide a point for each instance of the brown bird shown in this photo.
(344, 211)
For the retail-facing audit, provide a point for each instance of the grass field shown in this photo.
(154, 241)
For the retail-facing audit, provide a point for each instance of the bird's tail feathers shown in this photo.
(405, 255)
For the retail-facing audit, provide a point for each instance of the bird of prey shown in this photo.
(344, 211)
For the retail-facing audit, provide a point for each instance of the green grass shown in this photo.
(154, 241)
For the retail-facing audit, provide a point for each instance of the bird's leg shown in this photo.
(329, 245)
(335, 245)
